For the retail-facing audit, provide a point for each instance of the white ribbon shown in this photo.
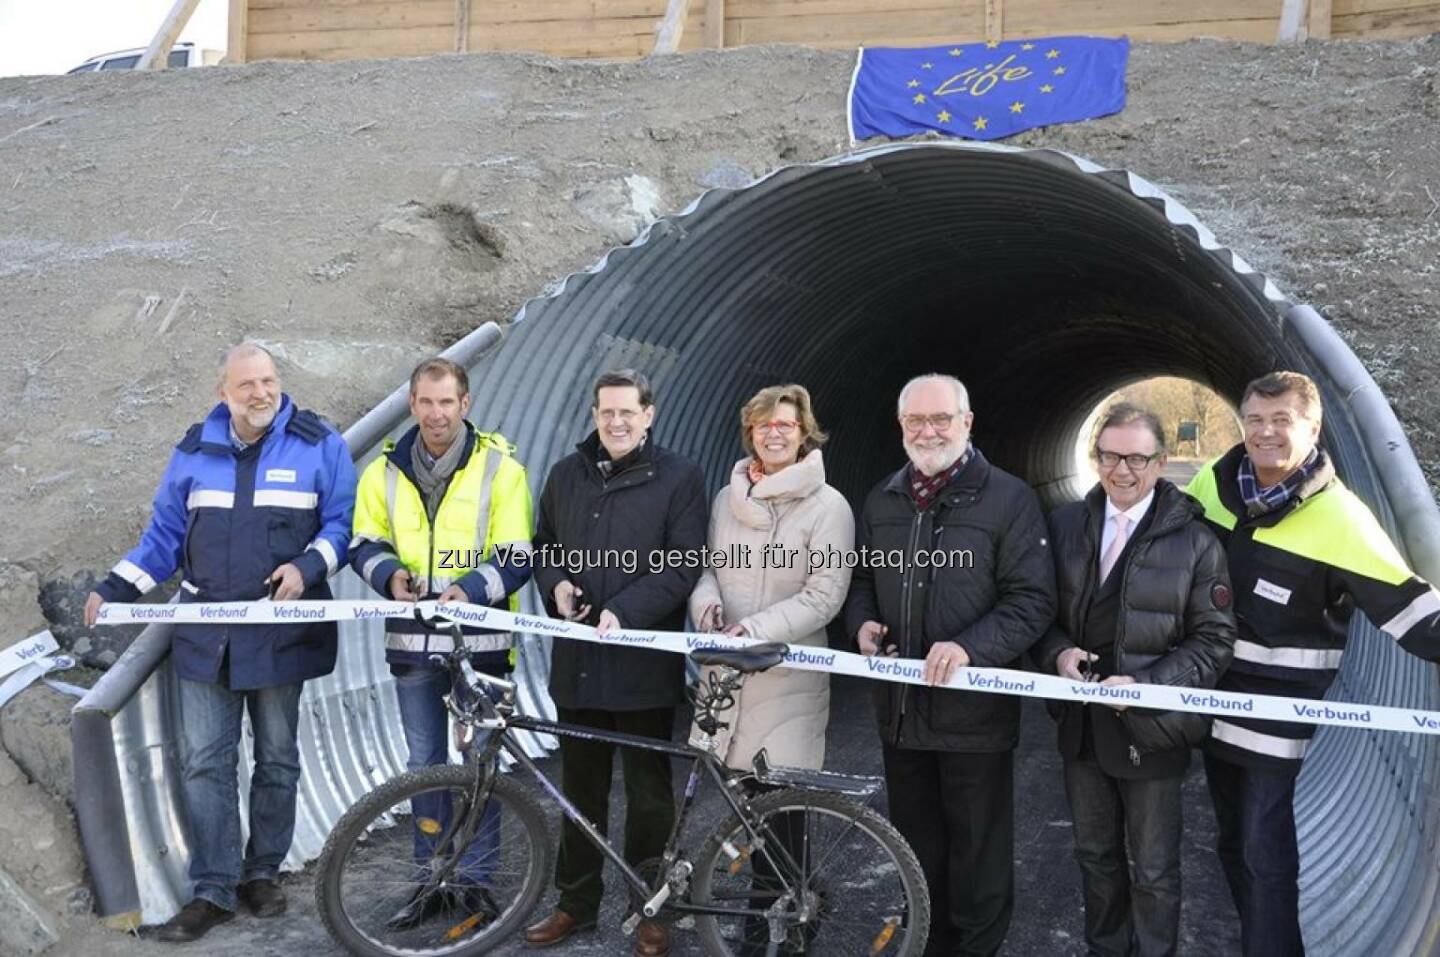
(1023, 684)
(30, 659)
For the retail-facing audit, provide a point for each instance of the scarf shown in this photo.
(432, 475)
(924, 488)
(1259, 501)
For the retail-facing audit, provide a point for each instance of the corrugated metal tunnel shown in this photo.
(1045, 282)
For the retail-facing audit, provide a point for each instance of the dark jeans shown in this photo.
(1255, 811)
(210, 716)
(957, 811)
(585, 780)
(1127, 912)
(420, 690)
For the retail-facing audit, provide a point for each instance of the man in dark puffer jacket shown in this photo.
(1144, 596)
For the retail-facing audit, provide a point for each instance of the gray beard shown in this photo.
(925, 459)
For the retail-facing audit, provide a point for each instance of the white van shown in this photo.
(181, 55)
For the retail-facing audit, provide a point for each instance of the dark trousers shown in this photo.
(585, 780)
(1255, 811)
(957, 811)
(1127, 912)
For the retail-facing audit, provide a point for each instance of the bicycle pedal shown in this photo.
(631, 922)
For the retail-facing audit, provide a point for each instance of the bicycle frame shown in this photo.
(700, 760)
(486, 759)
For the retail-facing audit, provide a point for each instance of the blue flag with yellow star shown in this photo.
(986, 91)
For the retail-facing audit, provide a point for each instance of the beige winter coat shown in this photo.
(781, 710)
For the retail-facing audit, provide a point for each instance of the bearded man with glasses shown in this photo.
(1144, 596)
(948, 753)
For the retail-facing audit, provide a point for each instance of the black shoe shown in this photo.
(423, 905)
(193, 922)
(263, 898)
(460, 902)
(474, 902)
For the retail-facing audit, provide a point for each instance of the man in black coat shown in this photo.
(1144, 596)
(608, 512)
(981, 593)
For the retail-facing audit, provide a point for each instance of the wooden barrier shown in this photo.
(344, 29)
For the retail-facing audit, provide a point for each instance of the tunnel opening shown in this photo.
(1198, 424)
(1046, 283)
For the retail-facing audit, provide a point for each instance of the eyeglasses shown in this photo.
(1136, 461)
(778, 426)
(624, 415)
(939, 422)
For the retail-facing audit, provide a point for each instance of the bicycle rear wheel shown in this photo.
(858, 889)
(374, 887)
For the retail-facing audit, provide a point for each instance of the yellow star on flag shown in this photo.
(956, 52)
(991, 44)
(1017, 107)
(926, 66)
(913, 84)
(1027, 46)
(1047, 88)
(1059, 71)
(919, 98)
(981, 122)
(1052, 54)
(944, 116)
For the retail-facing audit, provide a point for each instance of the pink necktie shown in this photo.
(1112, 554)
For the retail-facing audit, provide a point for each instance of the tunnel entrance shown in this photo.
(1199, 424)
(1045, 282)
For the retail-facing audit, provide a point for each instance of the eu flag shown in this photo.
(986, 91)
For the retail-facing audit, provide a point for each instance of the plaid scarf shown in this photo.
(1259, 501)
(924, 488)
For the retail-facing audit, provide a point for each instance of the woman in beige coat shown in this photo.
(777, 497)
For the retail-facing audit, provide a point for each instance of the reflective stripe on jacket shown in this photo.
(228, 518)
(1299, 572)
(479, 540)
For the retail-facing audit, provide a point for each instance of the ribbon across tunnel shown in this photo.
(1025, 684)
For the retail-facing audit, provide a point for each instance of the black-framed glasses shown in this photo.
(1135, 460)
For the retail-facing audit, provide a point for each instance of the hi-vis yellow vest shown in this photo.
(487, 505)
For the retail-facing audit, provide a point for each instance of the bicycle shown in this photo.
(799, 868)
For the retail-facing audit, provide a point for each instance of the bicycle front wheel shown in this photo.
(414, 868)
(846, 882)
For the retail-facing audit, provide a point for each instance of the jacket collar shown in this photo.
(400, 455)
(215, 431)
(591, 450)
(970, 481)
(1171, 509)
(1227, 486)
(748, 502)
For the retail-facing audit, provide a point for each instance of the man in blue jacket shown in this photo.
(256, 499)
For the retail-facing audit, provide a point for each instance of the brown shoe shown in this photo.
(652, 939)
(555, 928)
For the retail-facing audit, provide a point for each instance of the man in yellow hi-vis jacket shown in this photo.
(445, 513)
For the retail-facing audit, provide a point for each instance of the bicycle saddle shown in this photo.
(744, 660)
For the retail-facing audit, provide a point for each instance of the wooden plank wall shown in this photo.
(1380, 19)
(344, 29)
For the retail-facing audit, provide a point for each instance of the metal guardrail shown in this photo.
(1044, 281)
